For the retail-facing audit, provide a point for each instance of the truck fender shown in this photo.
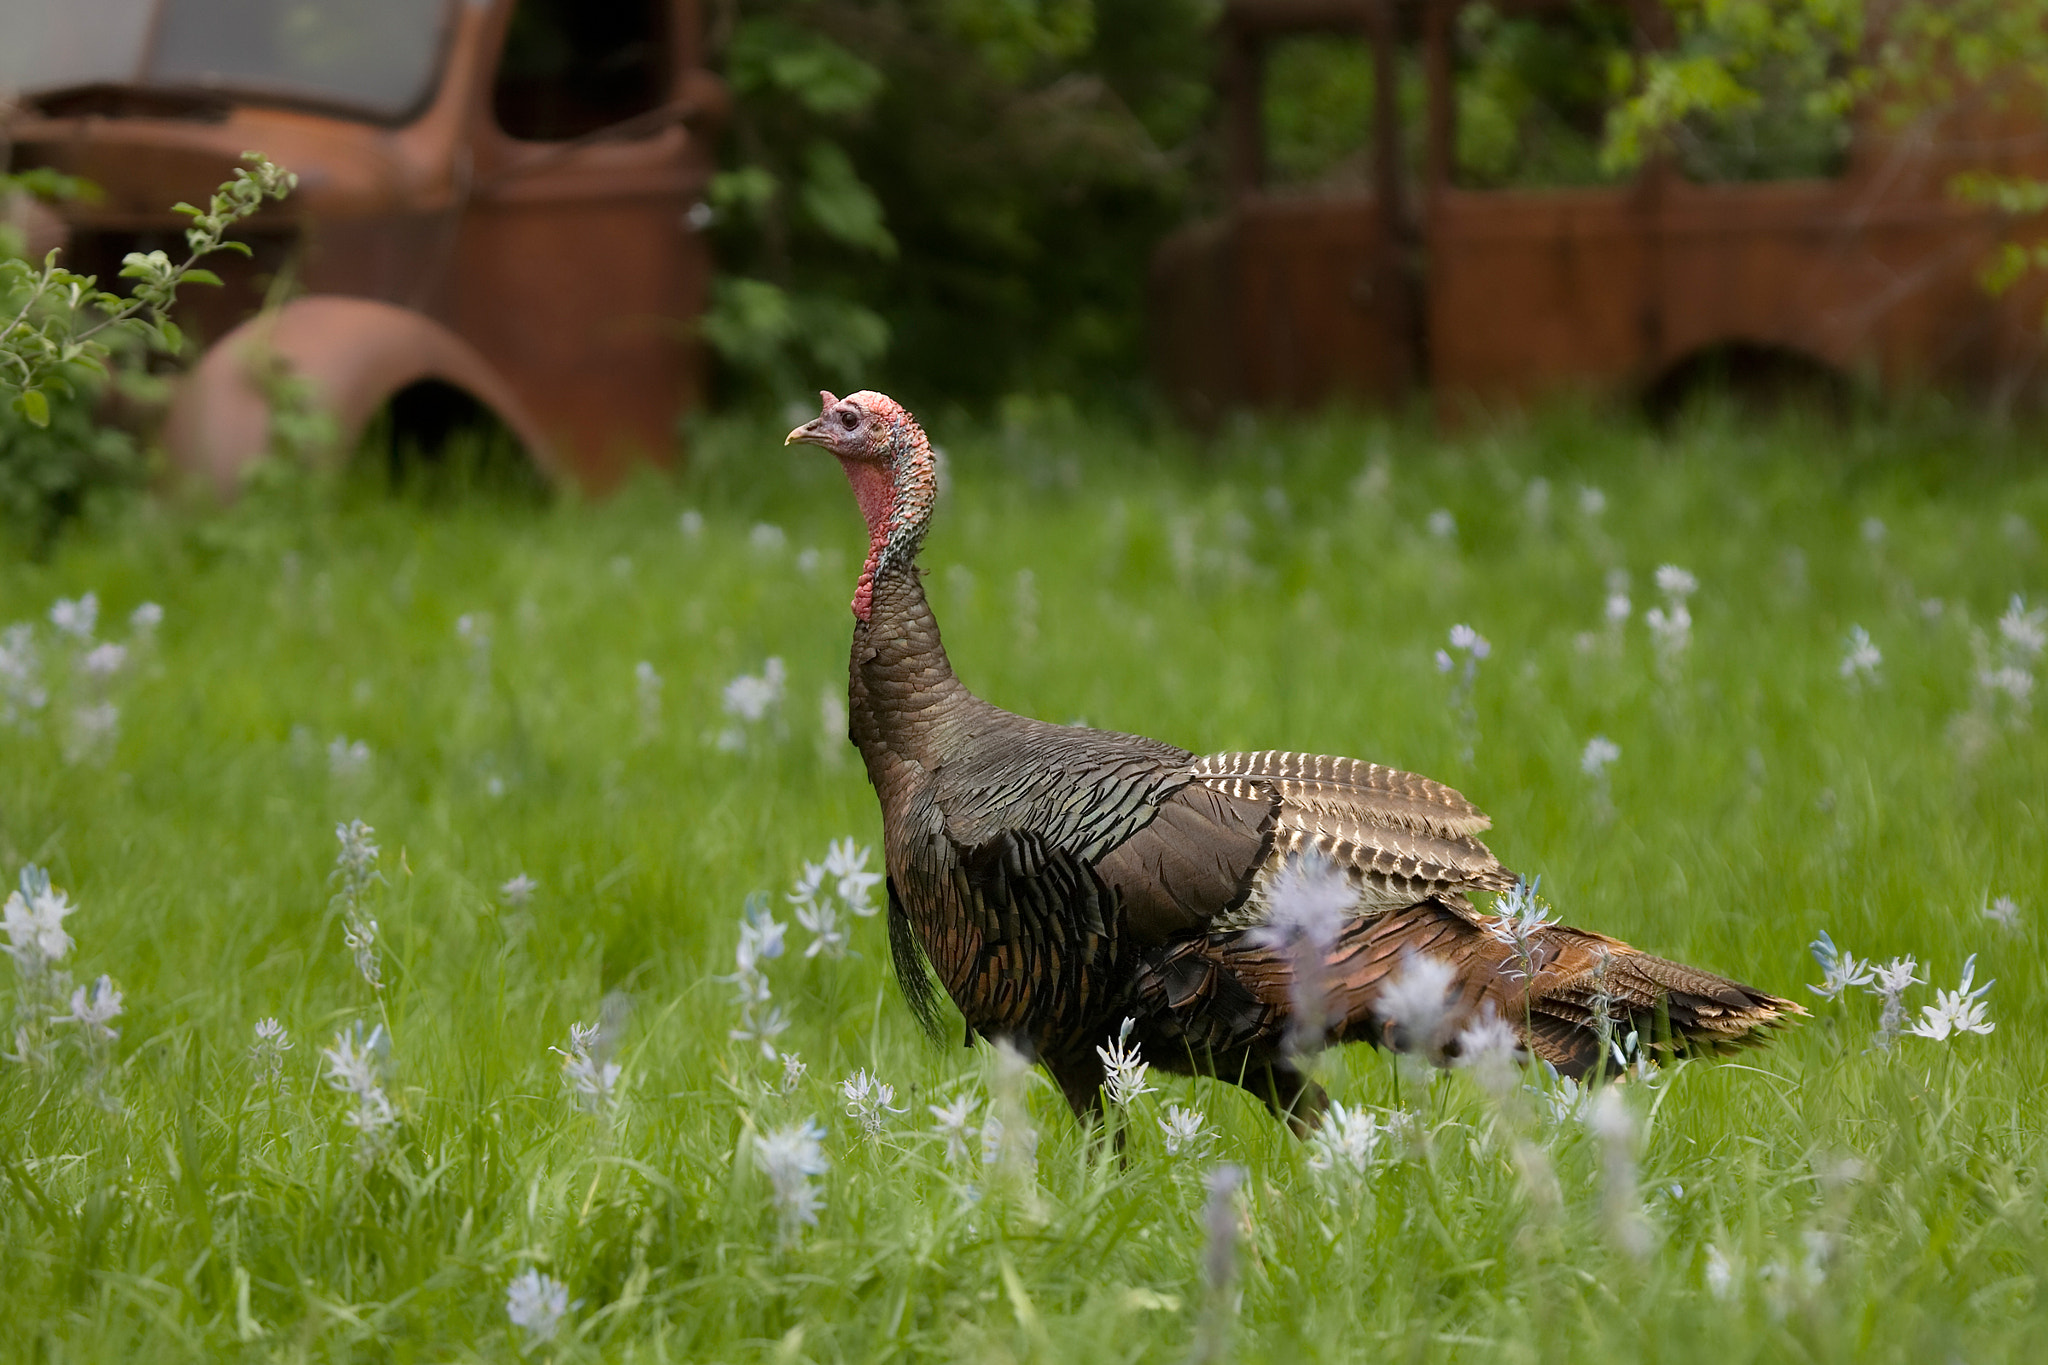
(352, 355)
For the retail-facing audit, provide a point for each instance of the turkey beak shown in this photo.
(811, 433)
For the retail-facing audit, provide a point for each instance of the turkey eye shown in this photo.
(848, 420)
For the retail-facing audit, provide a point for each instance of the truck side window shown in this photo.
(573, 67)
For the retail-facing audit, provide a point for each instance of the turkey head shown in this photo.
(889, 463)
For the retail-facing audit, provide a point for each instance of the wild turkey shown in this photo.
(1059, 880)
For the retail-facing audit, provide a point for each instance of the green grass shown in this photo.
(1268, 591)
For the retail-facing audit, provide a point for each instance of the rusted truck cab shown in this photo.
(494, 199)
(1411, 277)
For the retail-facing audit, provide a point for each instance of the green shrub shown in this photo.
(63, 339)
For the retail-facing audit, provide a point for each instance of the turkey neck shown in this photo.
(909, 714)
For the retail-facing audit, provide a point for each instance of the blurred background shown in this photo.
(600, 220)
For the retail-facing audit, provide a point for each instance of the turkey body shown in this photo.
(1058, 880)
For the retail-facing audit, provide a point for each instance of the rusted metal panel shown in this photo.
(352, 354)
(1517, 292)
(567, 265)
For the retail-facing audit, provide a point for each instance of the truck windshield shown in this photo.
(378, 58)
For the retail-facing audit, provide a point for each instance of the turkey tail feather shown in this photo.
(1227, 996)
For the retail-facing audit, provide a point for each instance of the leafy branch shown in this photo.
(49, 311)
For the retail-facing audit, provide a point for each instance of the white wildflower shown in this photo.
(145, 619)
(1473, 646)
(91, 1010)
(2003, 911)
(2013, 681)
(767, 537)
(1961, 1010)
(1670, 628)
(2024, 632)
(991, 1137)
(1123, 1069)
(1311, 898)
(760, 1026)
(1673, 581)
(1442, 524)
(1617, 610)
(761, 934)
(518, 891)
(761, 939)
(1891, 981)
(536, 1304)
(1346, 1141)
(1488, 1046)
(846, 862)
(266, 1054)
(1564, 1099)
(751, 697)
(1184, 1131)
(1219, 1264)
(588, 1074)
(1592, 502)
(1840, 970)
(347, 759)
(1608, 1118)
(950, 1123)
(1307, 906)
(810, 885)
(1600, 751)
(1519, 922)
(647, 697)
(21, 689)
(104, 660)
(1671, 624)
(690, 523)
(1859, 664)
(1873, 531)
(1720, 1273)
(868, 1100)
(828, 934)
(1414, 1008)
(92, 726)
(1009, 1142)
(77, 617)
(355, 866)
(794, 1069)
(35, 921)
(359, 934)
(353, 1067)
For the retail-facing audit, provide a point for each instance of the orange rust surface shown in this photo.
(568, 268)
(1502, 295)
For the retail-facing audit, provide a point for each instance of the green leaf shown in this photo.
(33, 407)
(842, 337)
(840, 203)
(750, 188)
(198, 276)
(748, 321)
(769, 55)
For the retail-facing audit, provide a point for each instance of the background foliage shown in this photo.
(961, 197)
(956, 194)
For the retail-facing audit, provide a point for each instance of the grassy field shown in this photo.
(172, 1194)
